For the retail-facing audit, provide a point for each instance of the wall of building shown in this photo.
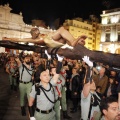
(12, 25)
(110, 26)
(78, 27)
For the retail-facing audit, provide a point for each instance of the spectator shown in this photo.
(109, 109)
(101, 79)
(111, 88)
(75, 89)
(89, 98)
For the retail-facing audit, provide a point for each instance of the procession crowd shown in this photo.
(49, 82)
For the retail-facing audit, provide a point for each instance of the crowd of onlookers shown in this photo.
(105, 79)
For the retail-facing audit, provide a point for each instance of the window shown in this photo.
(107, 37)
(118, 36)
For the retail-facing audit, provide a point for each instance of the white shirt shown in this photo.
(85, 106)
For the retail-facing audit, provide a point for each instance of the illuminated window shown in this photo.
(104, 20)
(114, 19)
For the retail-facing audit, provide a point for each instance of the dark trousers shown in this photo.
(75, 102)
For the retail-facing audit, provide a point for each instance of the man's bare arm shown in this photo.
(7, 70)
(86, 89)
(18, 61)
(55, 77)
(37, 40)
(31, 101)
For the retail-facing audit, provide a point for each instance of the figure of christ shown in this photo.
(53, 39)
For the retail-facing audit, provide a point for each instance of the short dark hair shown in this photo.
(104, 105)
(34, 30)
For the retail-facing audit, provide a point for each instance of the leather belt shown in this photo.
(43, 111)
(25, 82)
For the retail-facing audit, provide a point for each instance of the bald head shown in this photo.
(44, 76)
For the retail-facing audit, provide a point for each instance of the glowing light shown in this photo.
(113, 35)
(100, 47)
(112, 48)
(104, 20)
(103, 12)
(114, 19)
(67, 46)
(103, 35)
(31, 44)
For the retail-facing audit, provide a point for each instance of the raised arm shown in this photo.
(18, 61)
(58, 68)
(37, 40)
(86, 89)
(88, 79)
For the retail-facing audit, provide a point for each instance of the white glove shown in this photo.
(86, 59)
(49, 57)
(60, 58)
(32, 118)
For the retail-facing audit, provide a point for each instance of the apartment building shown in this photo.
(110, 31)
(91, 29)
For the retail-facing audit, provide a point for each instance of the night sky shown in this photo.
(49, 10)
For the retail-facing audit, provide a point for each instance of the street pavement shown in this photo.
(10, 104)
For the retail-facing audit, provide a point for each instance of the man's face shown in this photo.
(53, 71)
(12, 59)
(36, 60)
(112, 112)
(66, 67)
(113, 73)
(102, 71)
(74, 71)
(45, 77)
(27, 60)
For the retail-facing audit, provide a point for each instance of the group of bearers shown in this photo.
(48, 90)
(44, 86)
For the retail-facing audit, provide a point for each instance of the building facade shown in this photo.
(104, 36)
(110, 35)
(91, 29)
(12, 25)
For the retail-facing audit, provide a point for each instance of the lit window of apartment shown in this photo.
(90, 38)
(90, 33)
(93, 25)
